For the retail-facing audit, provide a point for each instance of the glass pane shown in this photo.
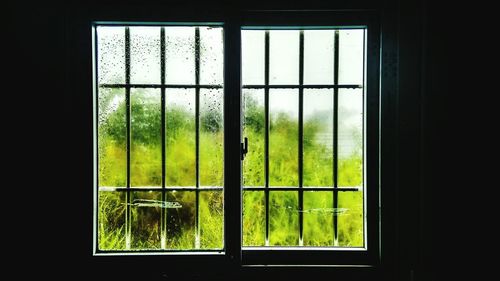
(181, 220)
(146, 216)
(252, 57)
(318, 56)
(283, 218)
(211, 56)
(180, 137)
(318, 137)
(351, 44)
(254, 130)
(350, 134)
(179, 55)
(283, 137)
(318, 218)
(112, 144)
(111, 224)
(283, 57)
(211, 138)
(254, 218)
(145, 140)
(350, 219)
(145, 55)
(211, 219)
(111, 54)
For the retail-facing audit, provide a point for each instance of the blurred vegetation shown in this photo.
(180, 171)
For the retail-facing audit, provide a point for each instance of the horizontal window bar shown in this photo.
(296, 188)
(323, 86)
(159, 23)
(247, 188)
(159, 86)
(159, 188)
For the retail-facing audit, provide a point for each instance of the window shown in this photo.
(299, 181)
(303, 105)
(160, 137)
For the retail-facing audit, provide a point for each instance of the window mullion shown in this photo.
(197, 133)
(266, 136)
(163, 217)
(128, 199)
(301, 138)
(335, 135)
(232, 139)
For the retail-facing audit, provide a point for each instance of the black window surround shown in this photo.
(233, 254)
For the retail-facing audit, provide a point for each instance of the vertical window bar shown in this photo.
(163, 217)
(335, 135)
(301, 137)
(197, 125)
(128, 213)
(266, 136)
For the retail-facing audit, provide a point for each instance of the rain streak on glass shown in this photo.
(179, 55)
(211, 56)
(145, 55)
(111, 54)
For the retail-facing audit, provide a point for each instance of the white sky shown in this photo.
(284, 52)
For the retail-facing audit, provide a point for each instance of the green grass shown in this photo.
(180, 171)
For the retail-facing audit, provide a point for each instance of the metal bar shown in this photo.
(266, 135)
(216, 188)
(335, 134)
(167, 189)
(96, 138)
(128, 199)
(317, 86)
(232, 138)
(161, 86)
(187, 86)
(301, 137)
(197, 125)
(163, 222)
(290, 188)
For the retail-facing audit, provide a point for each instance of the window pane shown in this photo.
(350, 219)
(145, 55)
(318, 218)
(283, 57)
(179, 55)
(350, 130)
(252, 56)
(254, 218)
(211, 56)
(254, 130)
(211, 220)
(318, 56)
(112, 144)
(351, 43)
(211, 138)
(318, 137)
(283, 137)
(111, 224)
(146, 215)
(145, 140)
(181, 220)
(180, 137)
(283, 218)
(111, 54)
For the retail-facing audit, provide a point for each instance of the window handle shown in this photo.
(244, 148)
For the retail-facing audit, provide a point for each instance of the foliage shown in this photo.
(180, 134)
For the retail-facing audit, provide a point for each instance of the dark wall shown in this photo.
(57, 154)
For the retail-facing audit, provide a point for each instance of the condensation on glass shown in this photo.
(160, 154)
(303, 113)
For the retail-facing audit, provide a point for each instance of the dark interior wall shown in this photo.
(42, 38)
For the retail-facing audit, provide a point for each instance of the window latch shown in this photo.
(244, 148)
